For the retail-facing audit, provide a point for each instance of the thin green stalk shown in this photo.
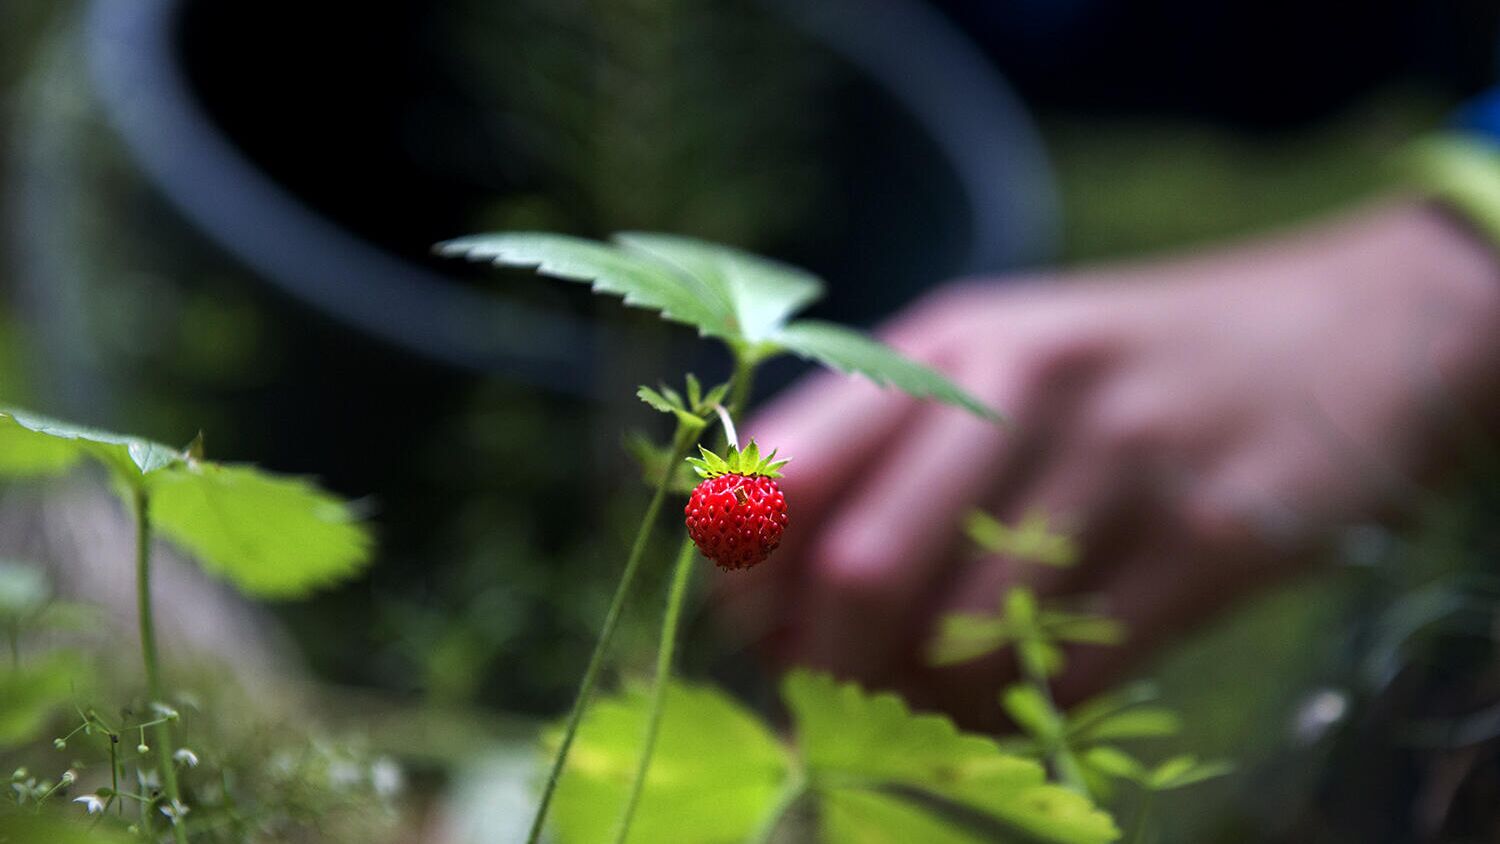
(1138, 826)
(1068, 769)
(790, 794)
(148, 652)
(664, 653)
(682, 441)
(739, 393)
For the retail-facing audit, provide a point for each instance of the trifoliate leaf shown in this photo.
(763, 293)
(655, 399)
(715, 773)
(862, 816)
(641, 280)
(270, 535)
(850, 351)
(845, 734)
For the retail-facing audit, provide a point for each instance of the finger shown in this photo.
(878, 553)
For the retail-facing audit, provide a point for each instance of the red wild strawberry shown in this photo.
(736, 515)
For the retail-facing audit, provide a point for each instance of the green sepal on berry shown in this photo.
(747, 462)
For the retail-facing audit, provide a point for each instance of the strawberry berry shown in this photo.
(736, 515)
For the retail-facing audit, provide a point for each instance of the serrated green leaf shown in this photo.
(31, 692)
(270, 535)
(850, 351)
(641, 280)
(714, 775)
(847, 734)
(1031, 712)
(763, 293)
(965, 636)
(862, 816)
(31, 444)
(716, 395)
(655, 399)
(1135, 723)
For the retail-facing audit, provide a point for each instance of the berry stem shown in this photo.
(682, 440)
(163, 730)
(664, 653)
(792, 792)
(739, 393)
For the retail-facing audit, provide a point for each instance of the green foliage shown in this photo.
(270, 535)
(692, 412)
(1034, 631)
(715, 772)
(742, 299)
(24, 827)
(718, 772)
(30, 693)
(1031, 541)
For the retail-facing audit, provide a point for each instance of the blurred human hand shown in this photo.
(1196, 424)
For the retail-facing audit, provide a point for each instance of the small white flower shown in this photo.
(186, 757)
(148, 779)
(164, 711)
(343, 774)
(175, 810)
(91, 802)
(68, 777)
(386, 777)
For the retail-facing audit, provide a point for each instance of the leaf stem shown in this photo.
(664, 654)
(682, 441)
(795, 788)
(1138, 826)
(149, 655)
(1068, 769)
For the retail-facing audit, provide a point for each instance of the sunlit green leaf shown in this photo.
(31, 444)
(862, 816)
(715, 773)
(642, 281)
(850, 351)
(1112, 761)
(844, 734)
(763, 293)
(270, 535)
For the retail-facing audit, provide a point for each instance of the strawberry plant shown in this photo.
(268, 535)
